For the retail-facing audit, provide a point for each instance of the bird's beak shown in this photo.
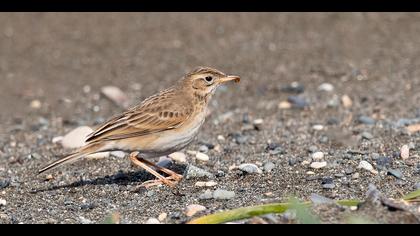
(230, 78)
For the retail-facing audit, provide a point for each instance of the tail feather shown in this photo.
(90, 149)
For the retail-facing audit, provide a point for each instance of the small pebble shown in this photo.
(323, 139)
(268, 194)
(218, 148)
(405, 152)
(240, 139)
(116, 95)
(205, 184)
(193, 209)
(284, 105)
(326, 87)
(150, 193)
(3, 202)
(220, 138)
(367, 135)
(349, 171)
(292, 161)
(312, 149)
(328, 186)
(317, 156)
(178, 157)
(203, 149)
(355, 175)
(327, 180)
(85, 221)
(152, 221)
(293, 87)
(396, 173)
(223, 194)
(4, 183)
(412, 145)
(272, 146)
(305, 162)
(202, 157)
(375, 155)
(278, 150)
(417, 186)
(383, 162)
(250, 168)
(245, 118)
(310, 173)
(318, 165)
(220, 173)
(36, 104)
(164, 162)
(333, 121)
(269, 166)
(76, 138)
(86, 89)
(367, 166)
(298, 102)
(333, 102)
(162, 216)
(346, 101)
(366, 120)
(49, 177)
(195, 172)
(258, 122)
(317, 127)
(206, 195)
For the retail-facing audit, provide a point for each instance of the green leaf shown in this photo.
(346, 202)
(251, 211)
(412, 195)
(241, 213)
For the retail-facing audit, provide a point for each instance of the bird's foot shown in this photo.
(170, 181)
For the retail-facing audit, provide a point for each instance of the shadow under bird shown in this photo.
(160, 125)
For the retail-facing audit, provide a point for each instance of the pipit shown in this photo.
(160, 125)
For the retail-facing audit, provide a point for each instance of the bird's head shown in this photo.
(205, 80)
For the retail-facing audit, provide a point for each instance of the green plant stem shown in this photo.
(241, 213)
(412, 195)
(248, 212)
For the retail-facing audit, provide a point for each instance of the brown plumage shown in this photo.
(163, 123)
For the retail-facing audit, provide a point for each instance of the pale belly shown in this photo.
(163, 143)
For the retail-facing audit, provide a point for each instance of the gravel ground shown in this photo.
(53, 66)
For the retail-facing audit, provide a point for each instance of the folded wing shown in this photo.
(164, 111)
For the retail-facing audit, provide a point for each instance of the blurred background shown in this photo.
(52, 56)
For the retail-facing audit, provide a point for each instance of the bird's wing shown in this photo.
(163, 111)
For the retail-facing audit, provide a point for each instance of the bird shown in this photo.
(163, 123)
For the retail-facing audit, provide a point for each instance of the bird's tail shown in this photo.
(86, 150)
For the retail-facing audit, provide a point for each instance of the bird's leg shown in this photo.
(160, 180)
(174, 175)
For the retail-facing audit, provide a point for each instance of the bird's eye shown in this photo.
(209, 78)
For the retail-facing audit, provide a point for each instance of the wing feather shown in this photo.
(155, 114)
